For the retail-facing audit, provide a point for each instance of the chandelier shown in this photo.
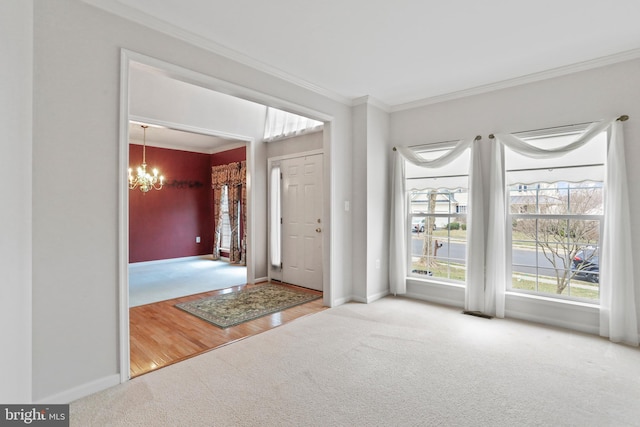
(144, 180)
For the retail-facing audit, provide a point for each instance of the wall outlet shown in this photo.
(377, 264)
(197, 239)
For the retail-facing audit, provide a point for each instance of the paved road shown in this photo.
(522, 258)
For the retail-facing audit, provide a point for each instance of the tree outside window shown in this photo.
(556, 238)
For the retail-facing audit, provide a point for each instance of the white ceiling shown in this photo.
(401, 51)
(164, 137)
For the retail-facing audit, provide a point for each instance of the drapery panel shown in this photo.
(219, 178)
(217, 236)
(398, 232)
(234, 177)
(475, 209)
(618, 318)
(243, 212)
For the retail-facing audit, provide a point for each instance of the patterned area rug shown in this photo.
(231, 309)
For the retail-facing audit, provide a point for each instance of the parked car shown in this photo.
(586, 264)
(417, 225)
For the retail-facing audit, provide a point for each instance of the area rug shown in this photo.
(237, 307)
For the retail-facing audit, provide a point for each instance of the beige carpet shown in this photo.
(395, 362)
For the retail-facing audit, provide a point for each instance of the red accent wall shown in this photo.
(164, 224)
(224, 158)
(229, 156)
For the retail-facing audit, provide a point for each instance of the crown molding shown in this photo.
(139, 17)
(369, 100)
(518, 81)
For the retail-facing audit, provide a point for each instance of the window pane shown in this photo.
(586, 199)
(225, 234)
(438, 199)
(438, 246)
(556, 255)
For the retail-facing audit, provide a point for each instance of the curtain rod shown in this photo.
(622, 118)
(477, 138)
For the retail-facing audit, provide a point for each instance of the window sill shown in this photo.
(578, 304)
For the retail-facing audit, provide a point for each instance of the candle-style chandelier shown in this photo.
(144, 180)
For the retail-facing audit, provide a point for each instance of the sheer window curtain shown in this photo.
(281, 124)
(475, 219)
(618, 319)
(274, 218)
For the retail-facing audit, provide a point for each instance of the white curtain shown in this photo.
(274, 218)
(475, 252)
(496, 260)
(399, 209)
(281, 124)
(398, 232)
(618, 318)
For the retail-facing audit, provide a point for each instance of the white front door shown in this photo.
(302, 222)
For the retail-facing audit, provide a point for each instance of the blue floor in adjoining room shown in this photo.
(158, 281)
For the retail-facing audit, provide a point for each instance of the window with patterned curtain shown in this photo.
(230, 200)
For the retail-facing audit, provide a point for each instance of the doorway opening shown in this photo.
(174, 117)
(172, 224)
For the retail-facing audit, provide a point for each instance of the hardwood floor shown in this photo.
(161, 334)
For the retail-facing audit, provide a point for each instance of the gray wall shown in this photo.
(297, 144)
(16, 51)
(371, 202)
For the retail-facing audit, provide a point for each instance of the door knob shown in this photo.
(318, 230)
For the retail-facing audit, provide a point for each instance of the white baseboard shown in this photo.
(339, 301)
(261, 279)
(81, 391)
(375, 297)
(370, 298)
(164, 261)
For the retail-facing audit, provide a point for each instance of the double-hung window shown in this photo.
(437, 223)
(556, 216)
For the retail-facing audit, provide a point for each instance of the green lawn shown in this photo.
(589, 291)
(444, 271)
(579, 289)
(517, 236)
